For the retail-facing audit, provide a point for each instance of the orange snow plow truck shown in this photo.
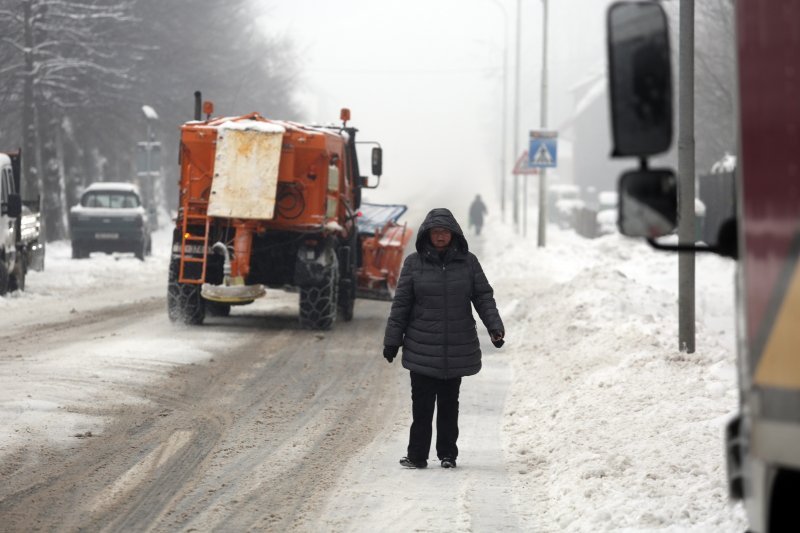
(268, 204)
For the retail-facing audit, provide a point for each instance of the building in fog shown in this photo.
(589, 130)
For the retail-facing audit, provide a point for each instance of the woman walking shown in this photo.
(431, 318)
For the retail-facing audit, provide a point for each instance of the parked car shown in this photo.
(563, 202)
(21, 244)
(110, 218)
(607, 212)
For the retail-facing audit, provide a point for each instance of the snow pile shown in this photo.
(608, 426)
(252, 125)
(66, 280)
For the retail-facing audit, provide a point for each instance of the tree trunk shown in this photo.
(63, 204)
(30, 182)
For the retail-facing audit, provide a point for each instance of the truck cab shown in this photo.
(762, 441)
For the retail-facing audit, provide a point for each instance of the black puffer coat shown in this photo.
(431, 315)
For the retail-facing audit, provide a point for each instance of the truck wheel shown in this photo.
(347, 283)
(16, 281)
(318, 301)
(347, 306)
(184, 303)
(3, 279)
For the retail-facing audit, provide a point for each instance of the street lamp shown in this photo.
(504, 126)
(542, 227)
(149, 160)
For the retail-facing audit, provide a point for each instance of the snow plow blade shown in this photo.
(383, 243)
(232, 294)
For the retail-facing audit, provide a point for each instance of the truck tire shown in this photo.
(318, 301)
(3, 279)
(16, 281)
(347, 283)
(184, 303)
(347, 304)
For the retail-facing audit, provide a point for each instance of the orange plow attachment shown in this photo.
(383, 241)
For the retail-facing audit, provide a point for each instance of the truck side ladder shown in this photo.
(194, 212)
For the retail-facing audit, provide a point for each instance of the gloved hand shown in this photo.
(497, 337)
(389, 352)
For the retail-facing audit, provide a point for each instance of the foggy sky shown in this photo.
(424, 77)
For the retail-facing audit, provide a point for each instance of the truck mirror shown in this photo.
(377, 161)
(640, 79)
(14, 208)
(648, 203)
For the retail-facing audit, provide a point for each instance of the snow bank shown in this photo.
(66, 281)
(608, 425)
(252, 125)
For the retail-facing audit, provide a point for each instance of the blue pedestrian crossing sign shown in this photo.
(543, 150)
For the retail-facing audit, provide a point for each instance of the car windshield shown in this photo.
(110, 199)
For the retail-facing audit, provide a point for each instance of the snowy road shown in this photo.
(253, 435)
(589, 419)
(120, 421)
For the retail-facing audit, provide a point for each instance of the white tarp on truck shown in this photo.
(246, 170)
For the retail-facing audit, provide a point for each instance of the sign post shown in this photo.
(148, 168)
(522, 168)
(543, 154)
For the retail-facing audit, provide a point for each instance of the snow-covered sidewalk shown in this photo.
(588, 419)
(608, 426)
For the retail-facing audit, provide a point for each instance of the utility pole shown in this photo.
(686, 162)
(504, 120)
(514, 193)
(542, 233)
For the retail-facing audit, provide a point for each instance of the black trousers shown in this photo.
(427, 393)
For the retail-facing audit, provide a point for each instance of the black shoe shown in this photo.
(448, 463)
(408, 463)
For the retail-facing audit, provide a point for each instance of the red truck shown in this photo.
(763, 441)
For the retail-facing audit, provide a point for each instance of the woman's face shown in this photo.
(440, 237)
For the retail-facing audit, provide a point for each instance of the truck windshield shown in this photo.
(110, 199)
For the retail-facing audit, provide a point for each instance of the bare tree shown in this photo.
(61, 57)
(715, 79)
(74, 75)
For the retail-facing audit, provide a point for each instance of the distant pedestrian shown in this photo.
(476, 211)
(431, 318)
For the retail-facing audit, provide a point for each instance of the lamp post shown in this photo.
(148, 146)
(514, 194)
(542, 227)
(504, 125)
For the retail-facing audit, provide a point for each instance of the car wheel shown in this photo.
(3, 279)
(78, 252)
(141, 250)
(16, 281)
